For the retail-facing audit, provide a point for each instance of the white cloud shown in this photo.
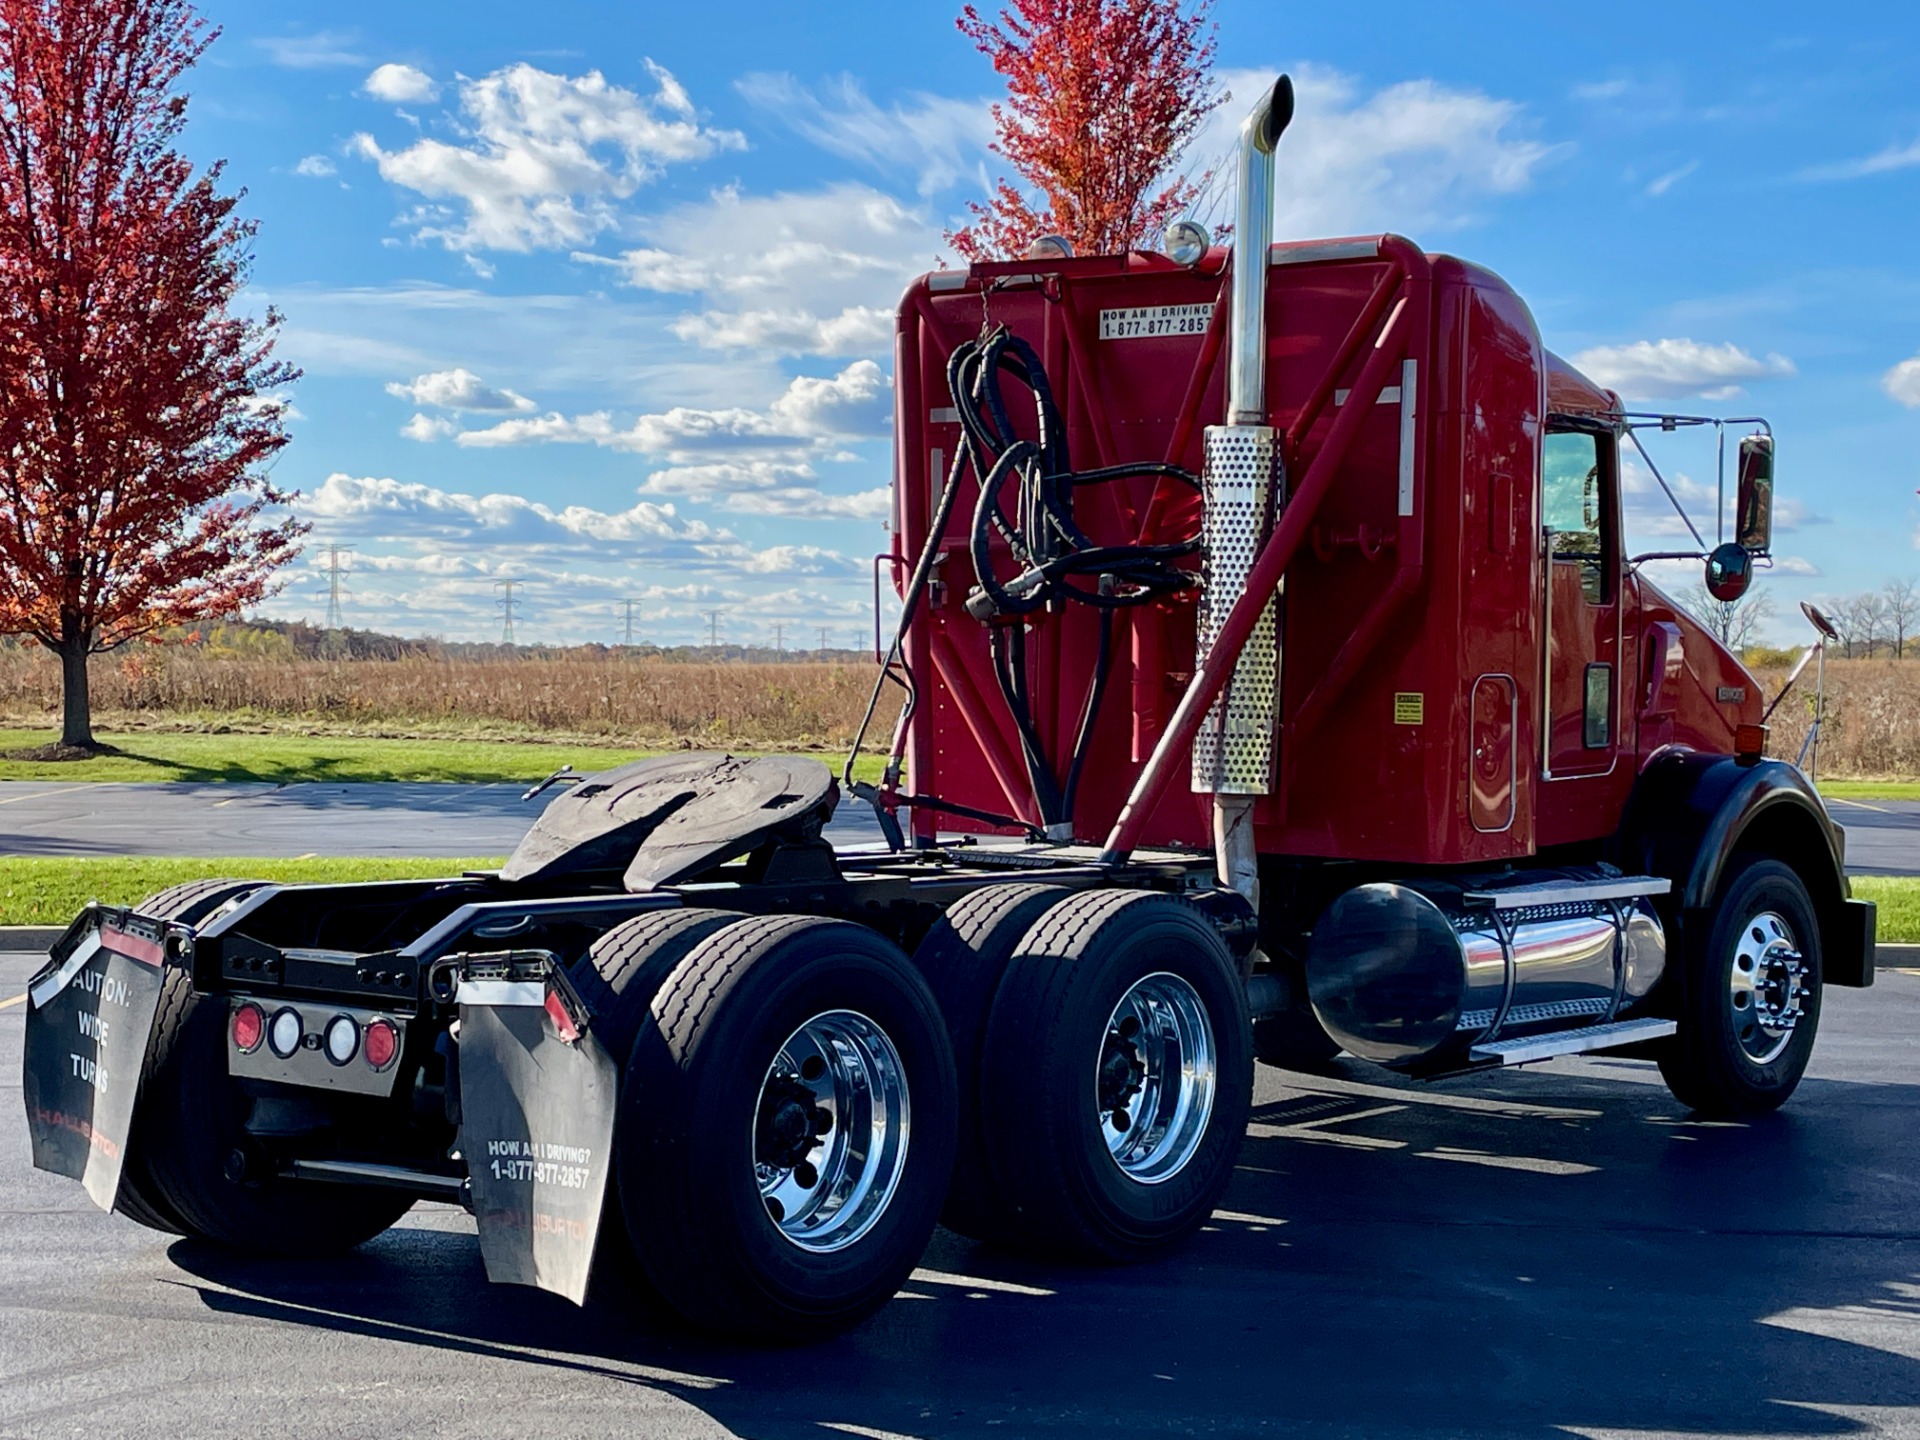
(401, 85)
(761, 486)
(1666, 182)
(1663, 369)
(938, 139)
(457, 389)
(801, 274)
(315, 167)
(427, 428)
(1796, 565)
(1418, 155)
(394, 510)
(324, 49)
(545, 158)
(1902, 383)
(808, 416)
(1601, 90)
(1894, 157)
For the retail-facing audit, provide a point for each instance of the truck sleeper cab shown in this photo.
(1277, 684)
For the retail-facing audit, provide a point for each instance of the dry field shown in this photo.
(637, 702)
(1872, 730)
(1873, 706)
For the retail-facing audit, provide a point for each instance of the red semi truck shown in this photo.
(1276, 682)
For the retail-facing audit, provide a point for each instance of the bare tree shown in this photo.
(1901, 599)
(1734, 623)
(1863, 625)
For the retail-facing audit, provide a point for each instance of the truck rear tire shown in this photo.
(618, 978)
(138, 1199)
(1749, 996)
(1117, 1075)
(964, 958)
(770, 1177)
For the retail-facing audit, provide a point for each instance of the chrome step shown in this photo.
(1569, 892)
(1570, 1042)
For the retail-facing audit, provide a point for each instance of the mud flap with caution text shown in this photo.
(90, 1018)
(536, 1121)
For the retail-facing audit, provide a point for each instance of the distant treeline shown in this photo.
(298, 640)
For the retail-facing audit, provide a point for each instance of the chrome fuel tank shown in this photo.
(1413, 980)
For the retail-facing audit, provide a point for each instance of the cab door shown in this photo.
(1580, 541)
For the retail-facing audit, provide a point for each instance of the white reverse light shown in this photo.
(285, 1033)
(1187, 242)
(343, 1039)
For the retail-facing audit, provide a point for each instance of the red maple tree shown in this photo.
(136, 409)
(1103, 98)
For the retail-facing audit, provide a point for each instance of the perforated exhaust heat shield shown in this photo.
(1243, 484)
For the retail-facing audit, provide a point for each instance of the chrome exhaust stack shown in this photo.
(1243, 485)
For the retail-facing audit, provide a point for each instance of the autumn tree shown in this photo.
(1103, 98)
(136, 405)
(1734, 623)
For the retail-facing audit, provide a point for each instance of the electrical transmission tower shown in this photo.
(713, 628)
(823, 641)
(508, 603)
(336, 576)
(779, 638)
(633, 617)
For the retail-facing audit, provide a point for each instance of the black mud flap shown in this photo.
(536, 1120)
(89, 1019)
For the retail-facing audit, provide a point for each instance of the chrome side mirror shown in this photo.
(1729, 571)
(1753, 508)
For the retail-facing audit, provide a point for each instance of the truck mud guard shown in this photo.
(536, 1098)
(1691, 812)
(90, 1018)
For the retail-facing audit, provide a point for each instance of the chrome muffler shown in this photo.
(1243, 487)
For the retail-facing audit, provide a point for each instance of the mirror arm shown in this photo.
(1793, 675)
(1637, 561)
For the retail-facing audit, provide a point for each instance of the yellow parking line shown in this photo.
(9, 1004)
(43, 794)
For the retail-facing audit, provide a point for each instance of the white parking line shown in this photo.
(1857, 804)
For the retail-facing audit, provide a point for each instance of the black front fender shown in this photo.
(1692, 814)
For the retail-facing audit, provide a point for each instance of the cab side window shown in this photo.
(1577, 506)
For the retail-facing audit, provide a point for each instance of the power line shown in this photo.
(633, 615)
(336, 572)
(507, 602)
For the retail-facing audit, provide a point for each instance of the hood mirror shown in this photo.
(1753, 507)
(1817, 618)
(1729, 572)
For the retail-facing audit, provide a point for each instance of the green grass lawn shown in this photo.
(289, 759)
(1898, 897)
(47, 890)
(1871, 789)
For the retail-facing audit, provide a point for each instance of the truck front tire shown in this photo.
(786, 1128)
(1749, 1000)
(1117, 1076)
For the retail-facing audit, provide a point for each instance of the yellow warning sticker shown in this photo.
(1409, 707)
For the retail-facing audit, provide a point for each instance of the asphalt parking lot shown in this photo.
(1546, 1254)
(186, 818)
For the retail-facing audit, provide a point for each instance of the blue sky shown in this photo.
(598, 296)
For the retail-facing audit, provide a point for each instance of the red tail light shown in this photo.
(249, 1028)
(380, 1042)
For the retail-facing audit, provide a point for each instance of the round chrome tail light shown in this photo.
(285, 1032)
(342, 1039)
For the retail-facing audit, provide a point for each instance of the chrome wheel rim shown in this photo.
(1156, 1077)
(830, 1131)
(1766, 988)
